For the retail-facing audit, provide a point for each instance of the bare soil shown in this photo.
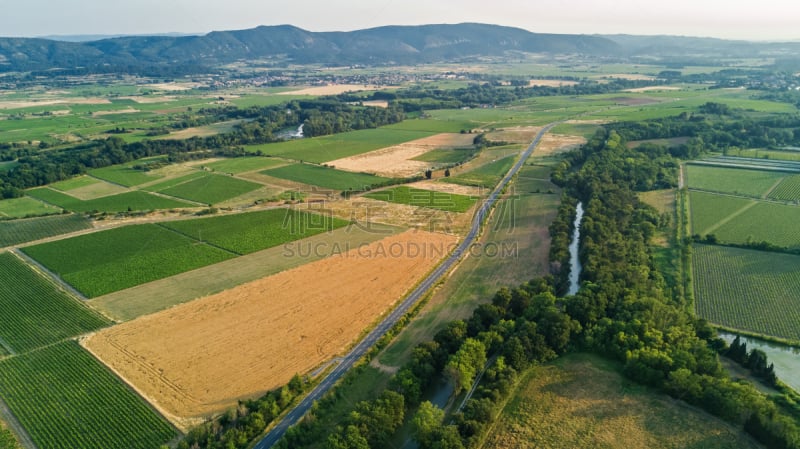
(332, 89)
(201, 357)
(551, 83)
(556, 143)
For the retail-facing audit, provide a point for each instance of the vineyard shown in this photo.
(124, 175)
(708, 210)
(112, 260)
(739, 181)
(250, 232)
(211, 189)
(128, 201)
(25, 207)
(35, 313)
(14, 232)
(424, 198)
(325, 177)
(769, 222)
(748, 290)
(66, 399)
(788, 189)
(244, 164)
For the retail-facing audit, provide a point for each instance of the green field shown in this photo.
(136, 200)
(250, 232)
(74, 183)
(708, 210)
(25, 207)
(328, 178)
(337, 146)
(124, 175)
(447, 156)
(211, 189)
(7, 440)
(750, 290)
(583, 401)
(435, 125)
(788, 189)
(14, 232)
(424, 198)
(172, 182)
(738, 181)
(769, 222)
(485, 176)
(65, 398)
(107, 261)
(245, 164)
(35, 312)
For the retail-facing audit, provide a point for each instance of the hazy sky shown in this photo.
(741, 19)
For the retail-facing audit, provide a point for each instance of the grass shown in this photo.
(35, 312)
(485, 176)
(585, 130)
(244, 164)
(25, 207)
(107, 261)
(124, 175)
(65, 398)
(7, 440)
(14, 232)
(337, 146)
(449, 202)
(708, 210)
(447, 156)
(513, 249)
(752, 183)
(325, 177)
(211, 189)
(124, 202)
(173, 182)
(582, 401)
(74, 183)
(250, 232)
(750, 290)
(435, 125)
(662, 200)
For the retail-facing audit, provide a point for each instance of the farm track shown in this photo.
(728, 219)
(294, 415)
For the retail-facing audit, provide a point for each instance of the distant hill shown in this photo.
(391, 44)
(383, 45)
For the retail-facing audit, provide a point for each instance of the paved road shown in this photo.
(356, 353)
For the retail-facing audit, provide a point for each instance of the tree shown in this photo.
(426, 421)
(463, 366)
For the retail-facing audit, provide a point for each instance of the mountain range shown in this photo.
(382, 45)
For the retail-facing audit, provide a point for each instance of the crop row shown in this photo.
(211, 189)
(788, 190)
(14, 232)
(738, 181)
(35, 313)
(328, 178)
(128, 201)
(485, 176)
(112, 260)
(424, 198)
(66, 399)
(746, 289)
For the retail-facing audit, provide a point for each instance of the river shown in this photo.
(289, 134)
(574, 261)
(785, 358)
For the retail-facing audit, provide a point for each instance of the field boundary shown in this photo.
(730, 217)
(49, 275)
(13, 424)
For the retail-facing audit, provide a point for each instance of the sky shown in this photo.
(730, 19)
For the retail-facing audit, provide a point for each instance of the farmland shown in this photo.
(295, 308)
(581, 401)
(767, 222)
(25, 207)
(14, 232)
(124, 202)
(65, 398)
(424, 198)
(244, 164)
(325, 177)
(739, 181)
(211, 189)
(250, 232)
(107, 261)
(485, 176)
(749, 290)
(709, 210)
(447, 156)
(124, 175)
(337, 146)
(788, 189)
(35, 312)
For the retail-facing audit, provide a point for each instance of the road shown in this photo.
(364, 345)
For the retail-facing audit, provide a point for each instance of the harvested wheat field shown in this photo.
(200, 357)
(396, 161)
(517, 134)
(332, 89)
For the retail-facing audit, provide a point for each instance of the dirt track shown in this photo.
(200, 357)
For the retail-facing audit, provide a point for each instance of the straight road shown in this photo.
(362, 347)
